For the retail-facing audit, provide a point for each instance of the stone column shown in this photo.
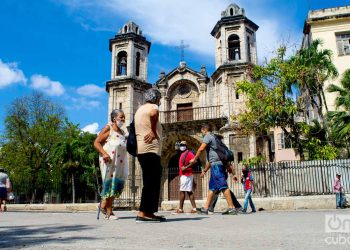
(252, 146)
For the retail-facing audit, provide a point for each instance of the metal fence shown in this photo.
(297, 178)
(300, 177)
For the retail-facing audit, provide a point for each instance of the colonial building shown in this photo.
(332, 26)
(190, 98)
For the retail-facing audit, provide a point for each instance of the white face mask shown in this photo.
(183, 148)
(120, 124)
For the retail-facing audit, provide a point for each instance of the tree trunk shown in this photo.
(73, 189)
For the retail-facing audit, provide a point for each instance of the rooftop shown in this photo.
(329, 13)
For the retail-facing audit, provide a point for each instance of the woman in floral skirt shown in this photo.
(111, 144)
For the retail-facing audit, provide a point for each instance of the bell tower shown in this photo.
(235, 38)
(129, 49)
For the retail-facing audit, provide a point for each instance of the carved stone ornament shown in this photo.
(184, 90)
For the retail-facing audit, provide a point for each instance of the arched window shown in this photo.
(125, 29)
(249, 52)
(138, 58)
(122, 63)
(231, 12)
(137, 30)
(234, 49)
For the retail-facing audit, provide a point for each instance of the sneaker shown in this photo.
(210, 212)
(253, 211)
(230, 211)
(203, 211)
(112, 217)
(147, 220)
(242, 211)
(239, 209)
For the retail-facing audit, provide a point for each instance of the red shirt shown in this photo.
(189, 157)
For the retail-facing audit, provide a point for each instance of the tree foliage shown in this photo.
(340, 119)
(275, 96)
(42, 150)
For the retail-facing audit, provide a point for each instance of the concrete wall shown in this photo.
(326, 30)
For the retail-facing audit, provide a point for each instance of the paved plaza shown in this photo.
(263, 230)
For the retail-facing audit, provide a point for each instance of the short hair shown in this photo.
(152, 95)
(207, 127)
(115, 112)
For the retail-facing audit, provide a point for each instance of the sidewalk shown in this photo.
(263, 230)
(269, 204)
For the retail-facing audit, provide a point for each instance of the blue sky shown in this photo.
(61, 46)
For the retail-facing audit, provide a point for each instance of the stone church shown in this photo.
(190, 98)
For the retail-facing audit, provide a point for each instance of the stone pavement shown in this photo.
(303, 229)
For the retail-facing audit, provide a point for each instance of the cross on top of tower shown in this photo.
(182, 48)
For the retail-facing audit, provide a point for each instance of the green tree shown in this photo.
(340, 119)
(76, 156)
(315, 67)
(270, 101)
(32, 128)
(315, 142)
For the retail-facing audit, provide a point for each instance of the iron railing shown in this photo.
(190, 114)
(297, 178)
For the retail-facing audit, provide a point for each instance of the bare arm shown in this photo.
(199, 151)
(100, 140)
(154, 115)
(206, 168)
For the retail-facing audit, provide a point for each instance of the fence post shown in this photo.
(265, 182)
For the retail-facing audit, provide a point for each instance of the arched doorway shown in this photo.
(170, 161)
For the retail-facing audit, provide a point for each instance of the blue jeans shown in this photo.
(339, 199)
(248, 197)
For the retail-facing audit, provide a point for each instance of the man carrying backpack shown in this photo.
(215, 156)
(186, 177)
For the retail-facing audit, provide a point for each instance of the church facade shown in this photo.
(190, 98)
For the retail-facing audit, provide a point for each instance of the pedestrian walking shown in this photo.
(217, 181)
(236, 204)
(149, 134)
(248, 187)
(113, 160)
(5, 187)
(186, 177)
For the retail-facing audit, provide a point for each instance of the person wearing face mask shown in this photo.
(248, 186)
(186, 177)
(113, 160)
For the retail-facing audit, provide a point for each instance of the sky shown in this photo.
(60, 47)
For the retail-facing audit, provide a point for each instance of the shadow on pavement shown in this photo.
(184, 219)
(27, 236)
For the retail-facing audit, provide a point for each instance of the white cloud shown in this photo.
(44, 84)
(10, 74)
(167, 21)
(91, 128)
(90, 90)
